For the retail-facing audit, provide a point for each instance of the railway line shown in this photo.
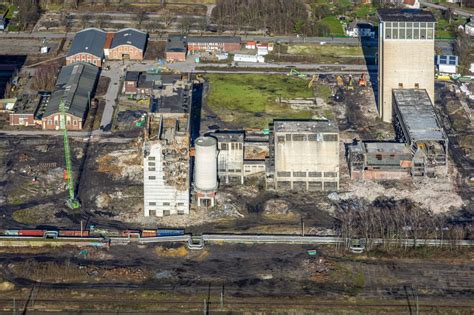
(130, 306)
(198, 242)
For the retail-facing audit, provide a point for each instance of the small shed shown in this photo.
(447, 64)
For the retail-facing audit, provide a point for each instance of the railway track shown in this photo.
(31, 305)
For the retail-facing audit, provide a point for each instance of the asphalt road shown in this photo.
(441, 7)
(115, 73)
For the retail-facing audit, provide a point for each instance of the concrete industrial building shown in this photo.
(406, 50)
(230, 163)
(305, 156)
(416, 124)
(167, 169)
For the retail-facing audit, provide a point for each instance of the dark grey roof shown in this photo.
(417, 115)
(89, 40)
(304, 126)
(176, 43)
(129, 36)
(405, 15)
(132, 75)
(179, 102)
(228, 135)
(214, 39)
(76, 82)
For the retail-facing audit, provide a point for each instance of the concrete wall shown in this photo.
(408, 62)
(230, 161)
(303, 159)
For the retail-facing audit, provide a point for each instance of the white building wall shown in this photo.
(230, 160)
(158, 196)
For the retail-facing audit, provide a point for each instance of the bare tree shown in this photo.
(102, 20)
(186, 23)
(140, 17)
(85, 19)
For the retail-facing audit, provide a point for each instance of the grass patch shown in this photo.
(251, 100)
(334, 25)
(364, 10)
(331, 50)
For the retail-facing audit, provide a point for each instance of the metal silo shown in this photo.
(205, 164)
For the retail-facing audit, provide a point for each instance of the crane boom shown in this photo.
(72, 202)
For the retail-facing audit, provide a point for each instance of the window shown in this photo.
(299, 185)
(288, 137)
(315, 186)
(281, 139)
(152, 203)
(330, 174)
(74, 122)
(283, 174)
(151, 158)
(151, 163)
(166, 203)
(400, 85)
(315, 174)
(417, 85)
(180, 212)
(330, 137)
(152, 213)
(299, 174)
(312, 137)
(151, 169)
(224, 146)
(50, 122)
(180, 204)
(378, 157)
(298, 137)
(166, 213)
(152, 177)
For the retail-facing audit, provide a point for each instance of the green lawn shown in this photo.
(251, 100)
(364, 10)
(334, 25)
(11, 9)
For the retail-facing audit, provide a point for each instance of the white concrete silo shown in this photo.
(205, 170)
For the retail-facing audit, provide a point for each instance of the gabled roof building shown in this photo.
(87, 46)
(128, 43)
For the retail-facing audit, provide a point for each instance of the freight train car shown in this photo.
(169, 232)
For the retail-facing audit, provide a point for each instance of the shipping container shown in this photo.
(31, 232)
(169, 232)
(148, 233)
(131, 233)
(11, 232)
(73, 233)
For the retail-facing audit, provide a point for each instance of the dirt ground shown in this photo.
(240, 273)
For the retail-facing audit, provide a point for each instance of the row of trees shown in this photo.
(281, 17)
(390, 219)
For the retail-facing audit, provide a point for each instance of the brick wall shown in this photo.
(118, 53)
(84, 57)
(175, 56)
(52, 122)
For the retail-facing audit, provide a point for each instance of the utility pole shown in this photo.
(205, 307)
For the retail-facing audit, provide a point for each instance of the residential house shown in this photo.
(360, 29)
(129, 44)
(411, 4)
(87, 46)
(75, 86)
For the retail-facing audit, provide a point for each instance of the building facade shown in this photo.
(87, 46)
(406, 50)
(75, 87)
(230, 158)
(306, 155)
(175, 48)
(128, 44)
(213, 43)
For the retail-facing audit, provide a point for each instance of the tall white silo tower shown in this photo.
(205, 171)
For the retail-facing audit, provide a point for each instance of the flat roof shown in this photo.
(229, 135)
(304, 126)
(405, 15)
(417, 115)
(386, 147)
(179, 102)
(213, 39)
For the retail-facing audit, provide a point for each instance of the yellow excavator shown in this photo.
(313, 79)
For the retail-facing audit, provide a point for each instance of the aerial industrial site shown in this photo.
(236, 157)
